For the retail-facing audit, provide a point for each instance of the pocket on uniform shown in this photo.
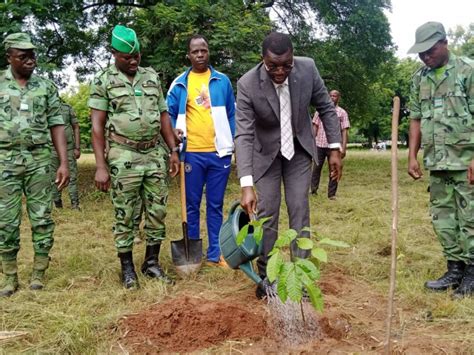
(39, 109)
(120, 98)
(151, 95)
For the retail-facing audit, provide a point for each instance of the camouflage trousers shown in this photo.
(73, 192)
(136, 175)
(31, 178)
(452, 212)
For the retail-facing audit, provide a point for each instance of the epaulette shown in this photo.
(467, 60)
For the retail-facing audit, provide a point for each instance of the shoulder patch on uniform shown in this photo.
(467, 61)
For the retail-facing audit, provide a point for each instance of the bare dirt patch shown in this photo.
(353, 321)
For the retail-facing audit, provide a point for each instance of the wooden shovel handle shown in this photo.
(182, 186)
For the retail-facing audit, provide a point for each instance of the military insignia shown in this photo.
(188, 168)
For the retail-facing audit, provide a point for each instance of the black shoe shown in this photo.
(151, 266)
(466, 288)
(266, 289)
(451, 279)
(129, 276)
(58, 203)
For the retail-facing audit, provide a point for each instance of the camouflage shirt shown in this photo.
(70, 119)
(134, 109)
(26, 113)
(445, 107)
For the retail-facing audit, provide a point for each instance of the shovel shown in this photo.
(186, 253)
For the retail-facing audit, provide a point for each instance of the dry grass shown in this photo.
(83, 299)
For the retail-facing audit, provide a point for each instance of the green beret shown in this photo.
(18, 40)
(125, 40)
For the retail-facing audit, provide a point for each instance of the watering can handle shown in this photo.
(235, 205)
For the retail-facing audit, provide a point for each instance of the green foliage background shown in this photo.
(349, 40)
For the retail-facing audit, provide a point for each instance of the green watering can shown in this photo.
(239, 256)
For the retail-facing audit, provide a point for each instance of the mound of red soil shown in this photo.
(188, 324)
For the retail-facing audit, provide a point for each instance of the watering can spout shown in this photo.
(239, 256)
(247, 268)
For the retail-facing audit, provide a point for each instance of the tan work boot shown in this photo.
(40, 265)
(10, 284)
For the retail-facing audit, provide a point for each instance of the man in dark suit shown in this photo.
(274, 139)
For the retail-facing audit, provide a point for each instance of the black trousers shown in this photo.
(295, 174)
(322, 154)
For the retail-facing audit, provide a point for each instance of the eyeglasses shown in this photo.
(24, 57)
(275, 68)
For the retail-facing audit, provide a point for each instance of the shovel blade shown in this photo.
(186, 265)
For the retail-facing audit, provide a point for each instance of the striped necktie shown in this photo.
(287, 147)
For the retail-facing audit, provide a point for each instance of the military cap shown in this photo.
(125, 40)
(18, 40)
(427, 35)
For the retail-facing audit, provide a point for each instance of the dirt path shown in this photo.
(353, 321)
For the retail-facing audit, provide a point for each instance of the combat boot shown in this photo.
(466, 289)
(129, 276)
(151, 266)
(10, 271)
(58, 203)
(40, 265)
(451, 279)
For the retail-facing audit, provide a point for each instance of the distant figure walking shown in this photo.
(322, 147)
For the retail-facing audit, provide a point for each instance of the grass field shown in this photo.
(83, 300)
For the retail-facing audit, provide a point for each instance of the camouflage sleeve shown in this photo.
(470, 89)
(53, 112)
(73, 116)
(161, 100)
(98, 98)
(414, 102)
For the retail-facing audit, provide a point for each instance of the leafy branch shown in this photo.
(294, 275)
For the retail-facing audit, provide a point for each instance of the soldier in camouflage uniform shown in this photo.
(73, 138)
(129, 111)
(30, 119)
(442, 108)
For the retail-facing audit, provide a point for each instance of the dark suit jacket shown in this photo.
(257, 138)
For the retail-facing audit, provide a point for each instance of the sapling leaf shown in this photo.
(315, 296)
(304, 243)
(259, 222)
(294, 286)
(281, 284)
(242, 234)
(285, 238)
(306, 229)
(258, 234)
(282, 293)
(320, 254)
(274, 266)
(309, 268)
(335, 243)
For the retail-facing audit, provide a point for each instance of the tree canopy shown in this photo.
(349, 40)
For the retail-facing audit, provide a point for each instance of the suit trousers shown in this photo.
(323, 154)
(296, 176)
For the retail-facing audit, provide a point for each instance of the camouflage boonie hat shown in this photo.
(427, 35)
(18, 40)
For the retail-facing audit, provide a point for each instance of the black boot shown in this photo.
(151, 266)
(129, 276)
(466, 289)
(58, 203)
(451, 279)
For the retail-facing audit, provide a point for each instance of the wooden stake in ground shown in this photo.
(393, 266)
